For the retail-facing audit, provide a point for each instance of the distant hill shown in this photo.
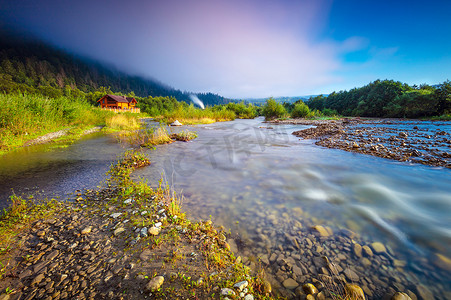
(259, 101)
(33, 63)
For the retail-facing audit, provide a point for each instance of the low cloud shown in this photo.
(234, 48)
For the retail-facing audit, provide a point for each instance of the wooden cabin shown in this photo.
(117, 102)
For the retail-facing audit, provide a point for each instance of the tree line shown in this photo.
(387, 98)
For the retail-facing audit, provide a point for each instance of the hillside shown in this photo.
(27, 64)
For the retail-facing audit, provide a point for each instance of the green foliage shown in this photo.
(300, 110)
(387, 98)
(273, 110)
(23, 117)
(242, 111)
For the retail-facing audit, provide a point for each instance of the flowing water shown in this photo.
(270, 188)
(51, 171)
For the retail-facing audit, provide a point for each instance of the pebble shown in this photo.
(290, 283)
(143, 232)
(354, 291)
(442, 262)
(241, 285)
(227, 292)
(116, 215)
(118, 231)
(378, 248)
(155, 283)
(309, 288)
(367, 251)
(400, 296)
(357, 249)
(424, 292)
(323, 231)
(158, 224)
(154, 230)
(249, 297)
(128, 201)
(351, 275)
(86, 230)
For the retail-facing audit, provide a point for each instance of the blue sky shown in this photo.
(251, 48)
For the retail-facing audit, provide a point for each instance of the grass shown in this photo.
(191, 115)
(125, 121)
(184, 136)
(25, 117)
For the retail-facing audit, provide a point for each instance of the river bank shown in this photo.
(123, 242)
(413, 141)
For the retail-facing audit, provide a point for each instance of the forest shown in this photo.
(388, 98)
(31, 66)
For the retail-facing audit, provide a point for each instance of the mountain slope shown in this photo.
(27, 62)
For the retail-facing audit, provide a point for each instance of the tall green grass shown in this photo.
(24, 117)
(192, 115)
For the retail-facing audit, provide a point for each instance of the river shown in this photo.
(270, 188)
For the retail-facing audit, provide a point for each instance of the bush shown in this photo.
(272, 110)
(300, 110)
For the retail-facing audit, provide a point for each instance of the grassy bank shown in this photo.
(26, 117)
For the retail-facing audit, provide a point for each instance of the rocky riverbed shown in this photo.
(424, 142)
(295, 249)
(105, 247)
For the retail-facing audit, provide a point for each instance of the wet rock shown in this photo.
(378, 248)
(323, 231)
(357, 250)
(400, 296)
(309, 288)
(351, 275)
(354, 291)
(402, 134)
(442, 262)
(423, 292)
(290, 284)
(176, 123)
(155, 283)
(367, 251)
(233, 246)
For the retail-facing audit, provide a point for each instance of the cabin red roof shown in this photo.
(122, 99)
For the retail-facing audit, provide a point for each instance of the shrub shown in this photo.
(300, 110)
(272, 110)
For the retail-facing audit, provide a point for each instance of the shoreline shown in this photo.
(382, 139)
